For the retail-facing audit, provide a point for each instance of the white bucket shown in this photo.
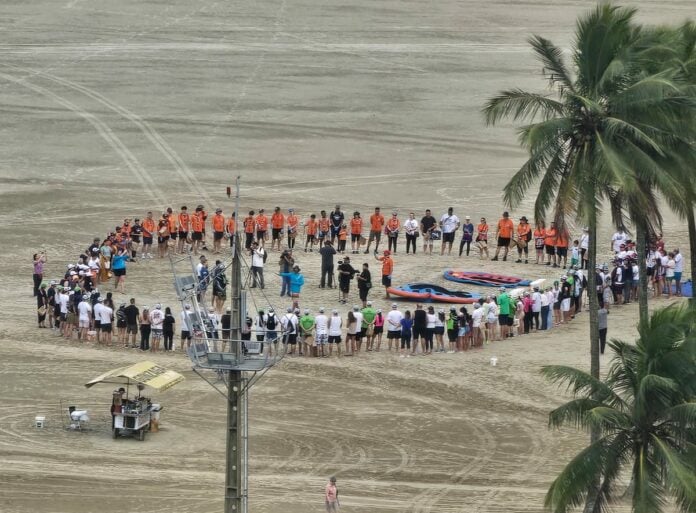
(39, 421)
(494, 361)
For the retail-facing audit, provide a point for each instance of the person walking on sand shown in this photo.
(331, 496)
(387, 270)
(504, 235)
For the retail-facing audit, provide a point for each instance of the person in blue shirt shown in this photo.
(296, 283)
(467, 236)
(406, 326)
(118, 266)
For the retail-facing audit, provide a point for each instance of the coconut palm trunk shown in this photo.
(641, 241)
(692, 246)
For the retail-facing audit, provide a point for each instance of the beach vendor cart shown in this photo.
(135, 416)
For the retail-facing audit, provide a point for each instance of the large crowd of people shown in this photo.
(75, 306)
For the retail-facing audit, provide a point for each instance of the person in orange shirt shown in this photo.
(342, 237)
(550, 244)
(482, 238)
(387, 270)
(204, 217)
(261, 228)
(218, 230)
(539, 234)
(163, 235)
(197, 225)
(184, 228)
(293, 223)
(392, 231)
(149, 228)
(376, 225)
(524, 235)
(323, 227)
(356, 225)
(249, 229)
(562, 247)
(231, 228)
(504, 235)
(277, 225)
(310, 232)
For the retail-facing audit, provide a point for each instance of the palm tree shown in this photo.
(645, 411)
(598, 136)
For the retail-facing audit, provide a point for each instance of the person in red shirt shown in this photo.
(504, 235)
(293, 223)
(331, 496)
(550, 244)
(277, 225)
(261, 228)
(311, 232)
(524, 235)
(356, 225)
(149, 228)
(249, 229)
(376, 225)
(387, 270)
(218, 230)
(184, 228)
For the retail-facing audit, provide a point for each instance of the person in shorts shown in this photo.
(504, 234)
(376, 225)
(186, 327)
(334, 332)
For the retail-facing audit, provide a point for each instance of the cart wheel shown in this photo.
(115, 432)
(141, 435)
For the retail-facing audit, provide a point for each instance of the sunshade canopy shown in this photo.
(143, 373)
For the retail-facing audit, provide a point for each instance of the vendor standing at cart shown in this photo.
(117, 404)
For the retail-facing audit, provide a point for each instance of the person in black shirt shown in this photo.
(168, 329)
(337, 218)
(427, 225)
(327, 264)
(134, 244)
(364, 284)
(132, 314)
(420, 322)
(345, 275)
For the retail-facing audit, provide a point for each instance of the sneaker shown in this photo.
(504, 259)
(526, 261)
(494, 259)
(401, 356)
(518, 261)
(366, 251)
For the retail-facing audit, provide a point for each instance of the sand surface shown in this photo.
(111, 109)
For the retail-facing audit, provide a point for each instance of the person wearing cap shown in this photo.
(387, 270)
(482, 239)
(331, 496)
(335, 330)
(63, 300)
(84, 318)
(504, 232)
(391, 230)
(218, 223)
(292, 222)
(296, 282)
(368, 325)
(327, 253)
(477, 318)
(307, 324)
(449, 224)
(156, 327)
(277, 225)
(346, 272)
(524, 235)
(321, 326)
(186, 318)
(504, 313)
(467, 236)
(336, 217)
(376, 224)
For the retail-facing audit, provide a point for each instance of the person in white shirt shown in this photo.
(84, 311)
(669, 265)
(358, 332)
(335, 325)
(544, 312)
(678, 270)
(411, 227)
(106, 315)
(257, 258)
(536, 307)
(289, 323)
(620, 237)
(449, 224)
(393, 322)
(186, 327)
(584, 246)
(321, 326)
(430, 320)
(490, 318)
(476, 319)
(156, 326)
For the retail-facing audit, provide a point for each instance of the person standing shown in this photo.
(327, 253)
(392, 231)
(119, 267)
(411, 231)
(550, 235)
(296, 282)
(449, 224)
(219, 286)
(603, 325)
(168, 329)
(306, 325)
(286, 262)
(562, 240)
(39, 261)
(84, 318)
(356, 225)
(336, 217)
(482, 239)
(504, 313)
(376, 226)
(107, 316)
(156, 327)
(321, 326)
(346, 272)
(584, 245)
(335, 325)
(364, 283)
(387, 270)
(149, 228)
(226, 324)
(310, 232)
(467, 236)
(292, 222)
(536, 307)
(218, 230)
(277, 225)
(197, 229)
(249, 224)
(394, 318)
(678, 270)
(184, 227)
(504, 235)
(368, 325)
(427, 224)
(524, 235)
(258, 257)
(132, 314)
(261, 222)
(538, 235)
(331, 496)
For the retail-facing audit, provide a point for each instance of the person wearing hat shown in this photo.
(335, 329)
(391, 230)
(566, 295)
(449, 224)
(331, 496)
(42, 304)
(387, 270)
(524, 235)
(467, 236)
(504, 232)
(277, 225)
(368, 325)
(336, 219)
(393, 323)
(218, 223)
(504, 313)
(307, 324)
(292, 222)
(156, 327)
(321, 327)
(346, 272)
(296, 282)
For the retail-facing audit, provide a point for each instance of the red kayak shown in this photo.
(484, 279)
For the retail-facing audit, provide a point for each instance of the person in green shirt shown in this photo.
(503, 302)
(306, 330)
(368, 324)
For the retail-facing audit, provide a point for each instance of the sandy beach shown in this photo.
(111, 110)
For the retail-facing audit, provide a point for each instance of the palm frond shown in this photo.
(680, 472)
(552, 58)
(580, 383)
(520, 105)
